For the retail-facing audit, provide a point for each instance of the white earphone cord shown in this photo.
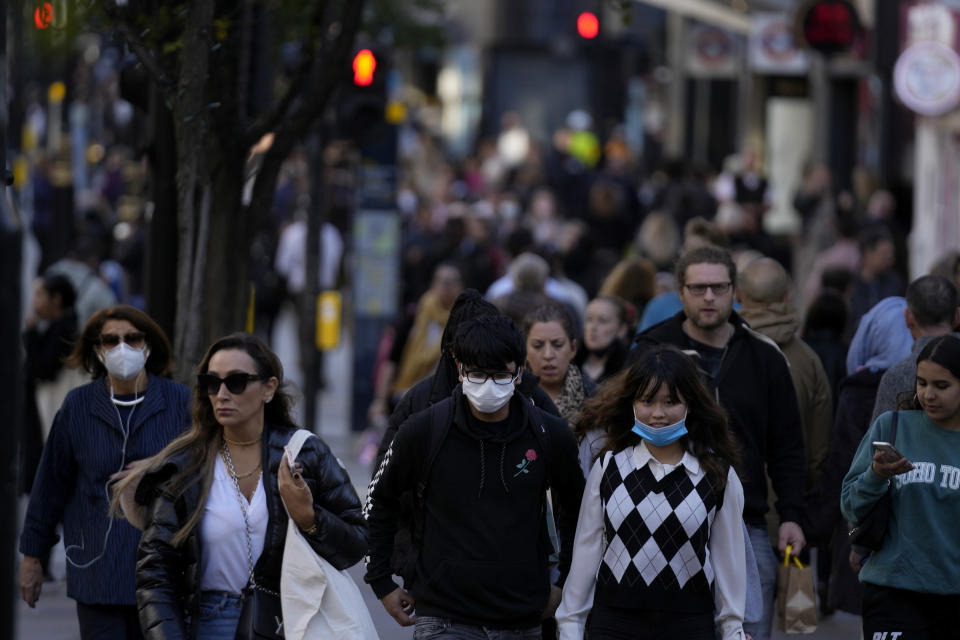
(125, 429)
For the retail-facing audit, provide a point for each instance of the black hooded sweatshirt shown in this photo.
(483, 558)
(754, 386)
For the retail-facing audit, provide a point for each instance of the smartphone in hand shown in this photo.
(890, 453)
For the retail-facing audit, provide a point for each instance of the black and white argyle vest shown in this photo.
(656, 535)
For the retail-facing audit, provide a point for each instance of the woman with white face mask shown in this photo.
(129, 412)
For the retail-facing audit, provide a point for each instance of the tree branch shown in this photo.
(244, 54)
(292, 129)
(270, 119)
(145, 54)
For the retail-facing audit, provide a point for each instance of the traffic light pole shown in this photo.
(310, 357)
(10, 365)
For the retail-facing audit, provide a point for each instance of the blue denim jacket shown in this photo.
(85, 447)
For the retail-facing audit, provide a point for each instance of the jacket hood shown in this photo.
(777, 320)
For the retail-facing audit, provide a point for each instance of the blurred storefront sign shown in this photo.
(711, 52)
(927, 78)
(772, 49)
(927, 81)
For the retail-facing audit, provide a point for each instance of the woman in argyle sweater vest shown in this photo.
(659, 549)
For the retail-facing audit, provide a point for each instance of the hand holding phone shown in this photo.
(888, 462)
(890, 453)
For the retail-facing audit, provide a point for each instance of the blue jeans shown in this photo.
(767, 566)
(219, 615)
(431, 628)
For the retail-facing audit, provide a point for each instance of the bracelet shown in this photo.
(311, 531)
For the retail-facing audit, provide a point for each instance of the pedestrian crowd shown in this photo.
(613, 404)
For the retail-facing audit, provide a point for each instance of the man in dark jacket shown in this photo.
(480, 462)
(432, 389)
(751, 379)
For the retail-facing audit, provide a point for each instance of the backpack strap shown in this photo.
(441, 416)
(893, 426)
(536, 422)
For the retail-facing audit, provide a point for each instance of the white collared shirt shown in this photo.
(726, 545)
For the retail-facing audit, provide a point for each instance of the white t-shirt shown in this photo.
(225, 563)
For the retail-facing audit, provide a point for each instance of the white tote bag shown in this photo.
(318, 601)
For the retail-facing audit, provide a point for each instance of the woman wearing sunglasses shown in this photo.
(130, 411)
(216, 524)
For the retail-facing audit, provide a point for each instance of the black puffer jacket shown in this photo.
(168, 578)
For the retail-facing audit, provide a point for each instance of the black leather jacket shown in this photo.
(168, 577)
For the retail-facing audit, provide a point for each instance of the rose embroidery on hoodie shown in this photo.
(528, 457)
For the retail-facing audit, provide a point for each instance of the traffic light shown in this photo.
(364, 67)
(587, 25)
(362, 105)
(43, 15)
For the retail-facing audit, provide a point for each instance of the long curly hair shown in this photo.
(202, 441)
(708, 435)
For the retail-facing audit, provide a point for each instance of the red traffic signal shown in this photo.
(829, 26)
(364, 64)
(43, 15)
(587, 25)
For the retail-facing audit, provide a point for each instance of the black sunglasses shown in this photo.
(133, 339)
(236, 382)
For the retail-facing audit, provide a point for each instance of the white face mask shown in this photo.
(488, 397)
(123, 362)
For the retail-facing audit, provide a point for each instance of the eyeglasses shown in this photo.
(718, 288)
(133, 339)
(479, 377)
(236, 382)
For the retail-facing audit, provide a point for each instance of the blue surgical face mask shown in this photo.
(660, 437)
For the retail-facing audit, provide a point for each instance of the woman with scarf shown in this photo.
(551, 335)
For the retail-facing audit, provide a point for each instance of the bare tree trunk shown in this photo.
(192, 132)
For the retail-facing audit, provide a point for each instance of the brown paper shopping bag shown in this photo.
(796, 600)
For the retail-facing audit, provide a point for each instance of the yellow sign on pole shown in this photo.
(251, 309)
(329, 305)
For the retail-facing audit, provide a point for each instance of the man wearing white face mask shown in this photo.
(479, 464)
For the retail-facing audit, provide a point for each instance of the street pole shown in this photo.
(309, 357)
(10, 365)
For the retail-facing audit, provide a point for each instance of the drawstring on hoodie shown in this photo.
(483, 468)
(503, 453)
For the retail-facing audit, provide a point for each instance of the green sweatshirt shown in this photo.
(921, 551)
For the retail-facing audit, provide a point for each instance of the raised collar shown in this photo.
(641, 457)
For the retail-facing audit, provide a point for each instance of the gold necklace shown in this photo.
(245, 443)
(234, 473)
